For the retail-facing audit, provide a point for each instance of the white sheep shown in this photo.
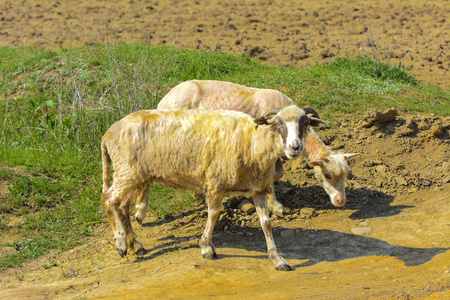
(210, 152)
(331, 169)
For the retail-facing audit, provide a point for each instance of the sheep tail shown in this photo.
(106, 167)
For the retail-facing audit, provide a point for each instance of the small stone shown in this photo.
(405, 131)
(400, 180)
(446, 179)
(446, 167)
(233, 202)
(446, 123)
(413, 189)
(364, 224)
(287, 232)
(361, 230)
(247, 207)
(437, 130)
(424, 124)
(220, 224)
(381, 169)
(307, 212)
(379, 182)
(398, 166)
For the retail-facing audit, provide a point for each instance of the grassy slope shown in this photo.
(55, 106)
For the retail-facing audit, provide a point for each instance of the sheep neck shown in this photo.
(267, 146)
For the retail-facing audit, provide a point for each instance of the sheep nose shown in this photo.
(339, 200)
(295, 145)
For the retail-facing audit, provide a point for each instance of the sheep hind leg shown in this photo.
(260, 200)
(214, 204)
(134, 247)
(141, 204)
(274, 206)
(110, 201)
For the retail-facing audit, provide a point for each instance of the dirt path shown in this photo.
(298, 33)
(405, 255)
(399, 190)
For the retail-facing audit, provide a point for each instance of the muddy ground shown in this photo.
(391, 240)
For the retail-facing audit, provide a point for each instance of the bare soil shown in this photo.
(296, 33)
(398, 192)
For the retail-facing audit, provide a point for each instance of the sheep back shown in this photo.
(215, 95)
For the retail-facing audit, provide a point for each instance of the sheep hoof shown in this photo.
(278, 211)
(284, 267)
(279, 214)
(141, 251)
(139, 220)
(210, 256)
(121, 252)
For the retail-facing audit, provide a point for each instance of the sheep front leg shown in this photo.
(214, 200)
(260, 200)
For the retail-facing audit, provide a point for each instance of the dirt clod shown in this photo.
(375, 116)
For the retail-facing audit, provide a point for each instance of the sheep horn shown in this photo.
(310, 111)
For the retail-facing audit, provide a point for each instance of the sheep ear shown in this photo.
(316, 163)
(315, 122)
(267, 118)
(347, 156)
(260, 121)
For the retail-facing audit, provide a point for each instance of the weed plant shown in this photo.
(55, 106)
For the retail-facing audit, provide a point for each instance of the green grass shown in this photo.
(56, 104)
(166, 202)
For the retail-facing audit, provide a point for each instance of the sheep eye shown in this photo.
(328, 175)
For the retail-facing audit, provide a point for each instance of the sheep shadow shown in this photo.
(367, 203)
(200, 207)
(311, 245)
(314, 246)
(317, 246)
(326, 245)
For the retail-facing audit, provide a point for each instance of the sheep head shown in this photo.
(292, 123)
(332, 171)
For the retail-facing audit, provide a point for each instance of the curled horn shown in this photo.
(267, 118)
(314, 119)
(310, 111)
